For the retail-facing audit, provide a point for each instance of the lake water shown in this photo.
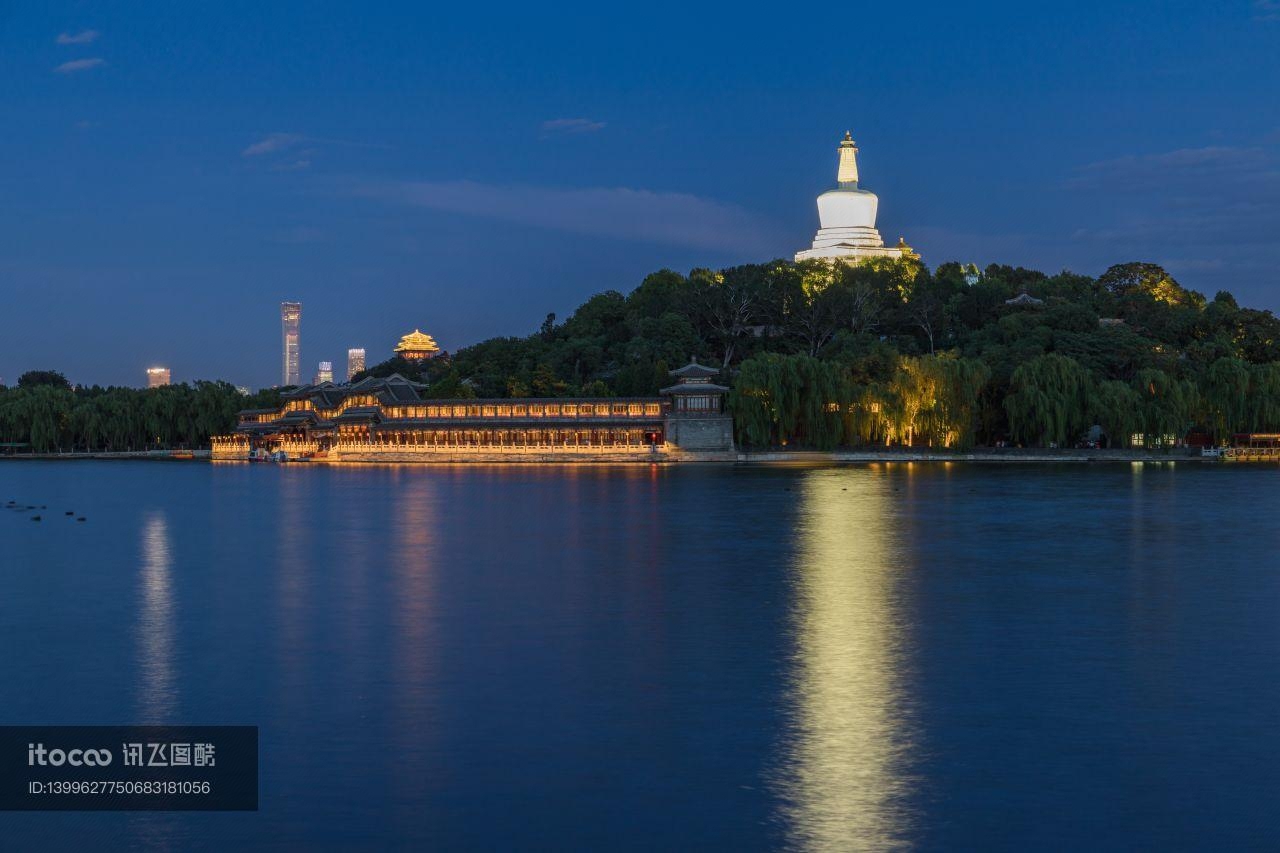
(937, 656)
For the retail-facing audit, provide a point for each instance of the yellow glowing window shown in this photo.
(619, 408)
(536, 411)
(519, 411)
(569, 410)
(602, 409)
(459, 411)
(504, 411)
(553, 410)
(652, 408)
(489, 411)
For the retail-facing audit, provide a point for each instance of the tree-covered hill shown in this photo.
(891, 352)
(884, 353)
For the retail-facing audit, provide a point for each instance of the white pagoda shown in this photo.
(847, 217)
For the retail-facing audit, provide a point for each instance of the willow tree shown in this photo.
(869, 416)
(1264, 397)
(786, 399)
(1048, 400)
(1114, 406)
(1166, 405)
(931, 399)
(959, 391)
(1224, 392)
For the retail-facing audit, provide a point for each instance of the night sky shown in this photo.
(169, 172)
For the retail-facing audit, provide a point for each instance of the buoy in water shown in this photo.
(35, 518)
(81, 518)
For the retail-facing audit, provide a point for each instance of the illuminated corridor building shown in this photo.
(389, 419)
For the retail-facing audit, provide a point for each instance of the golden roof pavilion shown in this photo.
(416, 345)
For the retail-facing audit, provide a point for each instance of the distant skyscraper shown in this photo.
(324, 373)
(290, 321)
(157, 376)
(355, 362)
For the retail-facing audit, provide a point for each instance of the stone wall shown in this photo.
(713, 433)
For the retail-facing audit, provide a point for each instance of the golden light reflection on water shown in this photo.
(158, 691)
(845, 763)
(413, 570)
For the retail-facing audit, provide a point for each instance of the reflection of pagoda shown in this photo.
(416, 346)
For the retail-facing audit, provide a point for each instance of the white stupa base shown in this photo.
(849, 244)
(851, 254)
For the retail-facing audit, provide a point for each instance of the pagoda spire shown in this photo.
(847, 176)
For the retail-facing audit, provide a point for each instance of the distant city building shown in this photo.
(157, 376)
(847, 217)
(290, 322)
(416, 346)
(324, 373)
(355, 362)
(244, 390)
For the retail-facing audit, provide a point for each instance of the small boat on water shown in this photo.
(181, 454)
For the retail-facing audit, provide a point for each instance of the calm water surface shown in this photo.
(873, 657)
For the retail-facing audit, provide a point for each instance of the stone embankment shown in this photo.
(165, 455)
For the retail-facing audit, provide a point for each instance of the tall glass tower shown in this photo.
(355, 362)
(290, 321)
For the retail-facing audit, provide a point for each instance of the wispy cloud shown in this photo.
(295, 162)
(1212, 211)
(1266, 10)
(1195, 165)
(77, 65)
(82, 37)
(678, 219)
(570, 126)
(272, 143)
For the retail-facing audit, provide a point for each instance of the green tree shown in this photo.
(37, 378)
(1048, 403)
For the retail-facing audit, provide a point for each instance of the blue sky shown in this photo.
(170, 172)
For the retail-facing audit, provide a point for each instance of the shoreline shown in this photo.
(766, 457)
